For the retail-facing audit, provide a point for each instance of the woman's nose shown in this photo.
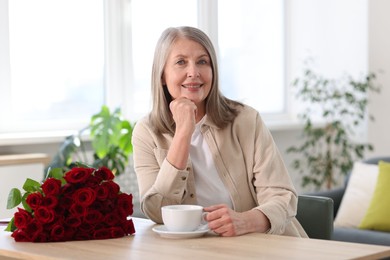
(193, 71)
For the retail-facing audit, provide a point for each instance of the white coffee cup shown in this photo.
(182, 218)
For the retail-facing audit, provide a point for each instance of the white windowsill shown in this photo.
(283, 125)
(34, 137)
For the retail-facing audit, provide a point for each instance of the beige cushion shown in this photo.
(358, 195)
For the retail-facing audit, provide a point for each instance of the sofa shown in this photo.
(355, 234)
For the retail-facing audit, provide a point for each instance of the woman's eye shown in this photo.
(180, 62)
(202, 62)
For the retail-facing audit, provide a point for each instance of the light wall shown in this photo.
(379, 59)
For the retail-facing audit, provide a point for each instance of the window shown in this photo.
(251, 44)
(64, 58)
(56, 64)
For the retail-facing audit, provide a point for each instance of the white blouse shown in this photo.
(210, 189)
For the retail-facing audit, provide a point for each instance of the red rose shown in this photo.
(87, 228)
(77, 210)
(116, 232)
(41, 237)
(103, 233)
(44, 215)
(82, 235)
(67, 189)
(21, 236)
(22, 218)
(49, 202)
(113, 188)
(107, 206)
(92, 182)
(93, 217)
(65, 202)
(104, 174)
(61, 210)
(102, 192)
(78, 175)
(73, 221)
(34, 228)
(125, 204)
(51, 186)
(128, 227)
(97, 205)
(111, 219)
(57, 233)
(69, 233)
(34, 200)
(84, 196)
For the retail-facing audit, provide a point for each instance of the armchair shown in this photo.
(355, 234)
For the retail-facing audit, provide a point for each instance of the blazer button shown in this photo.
(184, 178)
(192, 195)
(188, 169)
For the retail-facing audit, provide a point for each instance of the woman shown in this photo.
(199, 147)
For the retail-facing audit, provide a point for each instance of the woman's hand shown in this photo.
(226, 222)
(184, 114)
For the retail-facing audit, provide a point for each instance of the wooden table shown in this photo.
(146, 244)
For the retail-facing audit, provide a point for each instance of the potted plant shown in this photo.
(110, 137)
(328, 148)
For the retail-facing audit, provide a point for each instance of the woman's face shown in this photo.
(188, 72)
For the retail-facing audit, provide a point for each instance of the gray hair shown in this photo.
(218, 108)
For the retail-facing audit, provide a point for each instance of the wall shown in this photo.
(379, 59)
(332, 32)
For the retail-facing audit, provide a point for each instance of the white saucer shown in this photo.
(163, 232)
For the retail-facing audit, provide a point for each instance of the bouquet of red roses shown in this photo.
(84, 203)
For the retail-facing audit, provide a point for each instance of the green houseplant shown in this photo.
(110, 137)
(328, 148)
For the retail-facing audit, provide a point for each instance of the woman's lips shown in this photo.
(194, 86)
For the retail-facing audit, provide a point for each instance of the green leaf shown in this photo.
(14, 198)
(109, 131)
(24, 203)
(11, 226)
(125, 139)
(56, 173)
(82, 165)
(104, 131)
(31, 185)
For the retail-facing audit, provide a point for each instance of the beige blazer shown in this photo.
(247, 161)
